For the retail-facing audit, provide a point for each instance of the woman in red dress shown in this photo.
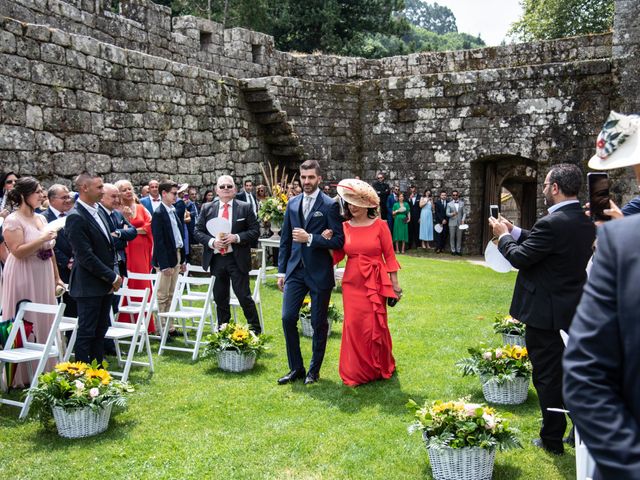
(138, 250)
(370, 278)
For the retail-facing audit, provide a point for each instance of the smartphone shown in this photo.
(598, 183)
(494, 211)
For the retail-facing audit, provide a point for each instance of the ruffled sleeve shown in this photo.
(387, 247)
(11, 223)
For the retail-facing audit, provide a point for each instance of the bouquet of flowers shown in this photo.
(500, 364)
(232, 336)
(272, 209)
(508, 325)
(460, 424)
(77, 385)
(333, 313)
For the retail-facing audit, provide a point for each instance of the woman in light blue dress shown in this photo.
(426, 219)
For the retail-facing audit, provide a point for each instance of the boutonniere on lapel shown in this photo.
(318, 214)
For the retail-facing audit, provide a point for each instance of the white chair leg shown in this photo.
(71, 345)
(198, 338)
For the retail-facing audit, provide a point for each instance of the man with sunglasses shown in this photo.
(229, 255)
(382, 189)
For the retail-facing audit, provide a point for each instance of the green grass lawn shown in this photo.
(190, 420)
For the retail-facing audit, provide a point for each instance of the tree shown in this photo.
(432, 17)
(547, 19)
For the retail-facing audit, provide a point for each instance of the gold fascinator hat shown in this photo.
(358, 193)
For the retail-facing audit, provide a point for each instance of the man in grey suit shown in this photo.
(456, 216)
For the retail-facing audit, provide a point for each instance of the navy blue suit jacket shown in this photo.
(127, 233)
(62, 249)
(602, 359)
(94, 268)
(316, 258)
(164, 244)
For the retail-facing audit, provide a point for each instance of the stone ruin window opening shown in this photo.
(205, 40)
(257, 53)
(114, 6)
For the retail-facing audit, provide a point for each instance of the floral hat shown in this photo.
(358, 193)
(618, 143)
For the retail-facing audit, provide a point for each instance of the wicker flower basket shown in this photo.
(471, 463)
(234, 361)
(509, 393)
(307, 329)
(508, 339)
(81, 422)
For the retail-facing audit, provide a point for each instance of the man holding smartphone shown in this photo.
(551, 259)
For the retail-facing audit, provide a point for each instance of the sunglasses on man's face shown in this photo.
(225, 187)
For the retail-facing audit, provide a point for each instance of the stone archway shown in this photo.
(510, 181)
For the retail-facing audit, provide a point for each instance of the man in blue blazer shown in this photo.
(305, 265)
(168, 244)
(93, 276)
(59, 205)
(152, 201)
(391, 200)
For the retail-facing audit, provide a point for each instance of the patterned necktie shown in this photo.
(225, 214)
(307, 206)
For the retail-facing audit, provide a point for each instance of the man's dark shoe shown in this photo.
(538, 442)
(292, 376)
(311, 378)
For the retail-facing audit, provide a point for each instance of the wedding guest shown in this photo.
(60, 203)
(426, 219)
(440, 218)
(305, 266)
(602, 360)
(168, 248)
(456, 218)
(414, 224)
(138, 250)
(392, 199)
(207, 198)
(93, 276)
(261, 194)
(30, 272)
(152, 201)
(7, 181)
(383, 190)
(551, 259)
(370, 277)
(192, 208)
(401, 217)
(144, 191)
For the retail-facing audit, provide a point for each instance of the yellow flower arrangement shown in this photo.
(232, 336)
(460, 424)
(74, 385)
(502, 363)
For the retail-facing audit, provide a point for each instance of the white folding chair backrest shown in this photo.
(31, 351)
(255, 295)
(67, 324)
(136, 332)
(256, 271)
(179, 310)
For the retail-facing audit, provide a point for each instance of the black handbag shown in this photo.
(393, 301)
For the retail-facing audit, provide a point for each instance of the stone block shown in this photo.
(48, 142)
(86, 45)
(16, 138)
(68, 163)
(38, 32)
(6, 88)
(66, 120)
(52, 53)
(75, 59)
(34, 117)
(7, 42)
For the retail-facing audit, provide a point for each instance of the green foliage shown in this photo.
(500, 364)
(77, 385)
(548, 19)
(460, 424)
(333, 312)
(433, 17)
(235, 337)
(508, 325)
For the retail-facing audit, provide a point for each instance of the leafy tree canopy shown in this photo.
(547, 19)
(432, 17)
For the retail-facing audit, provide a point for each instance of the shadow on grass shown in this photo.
(387, 395)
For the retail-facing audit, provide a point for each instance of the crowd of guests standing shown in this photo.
(421, 220)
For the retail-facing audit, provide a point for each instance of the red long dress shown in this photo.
(365, 352)
(139, 251)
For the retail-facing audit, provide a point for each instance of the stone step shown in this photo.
(264, 107)
(257, 96)
(291, 139)
(270, 118)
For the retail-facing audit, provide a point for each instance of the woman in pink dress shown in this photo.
(370, 277)
(30, 272)
(139, 249)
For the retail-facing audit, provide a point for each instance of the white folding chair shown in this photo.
(181, 312)
(31, 351)
(67, 324)
(257, 271)
(152, 303)
(192, 295)
(234, 303)
(136, 332)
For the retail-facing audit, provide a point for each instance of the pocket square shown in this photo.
(318, 214)
(241, 219)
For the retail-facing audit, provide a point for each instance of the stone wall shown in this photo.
(69, 102)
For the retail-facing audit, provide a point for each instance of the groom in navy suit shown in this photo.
(305, 265)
